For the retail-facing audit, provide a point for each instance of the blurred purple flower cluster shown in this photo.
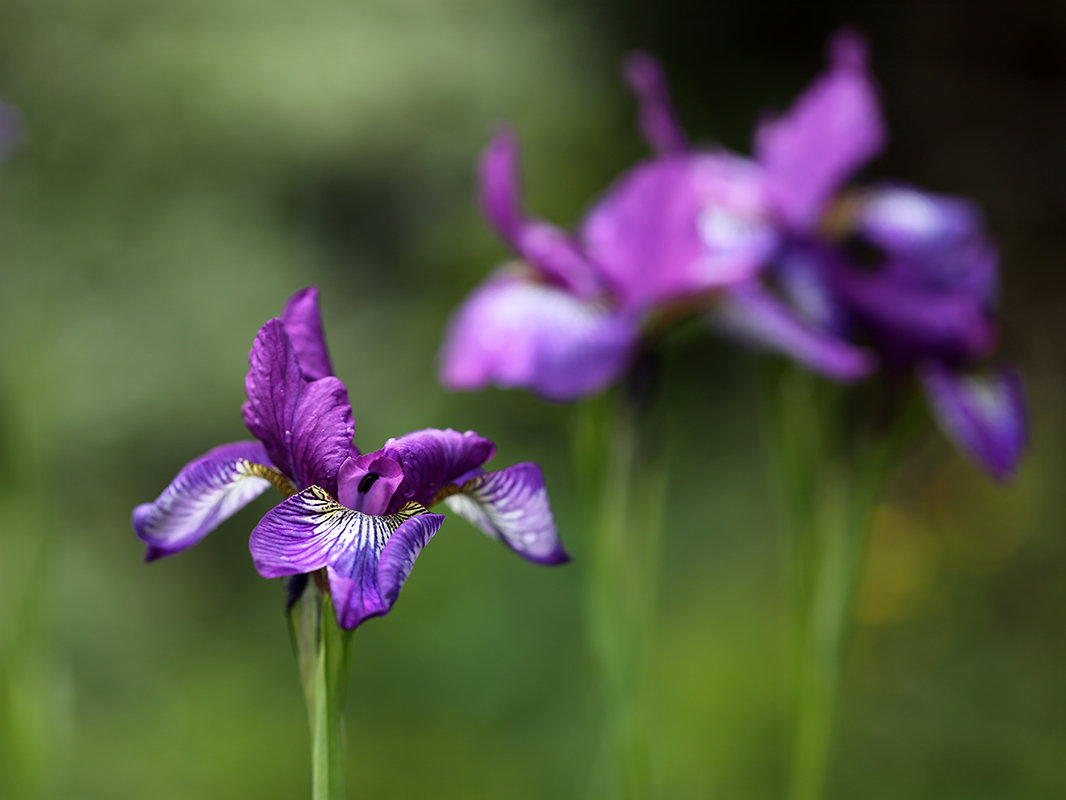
(776, 249)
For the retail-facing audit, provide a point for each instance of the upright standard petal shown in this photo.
(433, 458)
(984, 415)
(679, 226)
(303, 324)
(751, 313)
(831, 130)
(206, 492)
(498, 186)
(546, 248)
(658, 123)
(306, 427)
(368, 558)
(512, 505)
(518, 334)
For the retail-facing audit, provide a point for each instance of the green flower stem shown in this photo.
(324, 652)
(830, 485)
(622, 490)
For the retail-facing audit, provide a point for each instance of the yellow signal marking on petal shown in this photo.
(271, 475)
(448, 490)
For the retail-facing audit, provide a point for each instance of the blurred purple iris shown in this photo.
(784, 256)
(362, 518)
(909, 275)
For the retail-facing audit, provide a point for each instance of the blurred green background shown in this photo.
(185, 166)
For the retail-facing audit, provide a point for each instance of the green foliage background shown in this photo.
(185, 166)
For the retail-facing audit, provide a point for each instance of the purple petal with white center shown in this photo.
(832, 129)
(933, 241)
(432, 458)
(753, 314)
(512, 505)
(658, 123)
(368, 557)
(984, 415)
(904, 220)
(368, 482)
(207, 491)
(306, 427)
(303, 324)
(679, 226)
(518, 334)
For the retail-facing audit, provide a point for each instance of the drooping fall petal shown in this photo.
(207, 491)
(368, 558)
(753, 314)
(983, 414)
(517, 334)
(511, 505)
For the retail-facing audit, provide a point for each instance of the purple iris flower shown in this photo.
(361, 518)
(568, 319)
(910, 274)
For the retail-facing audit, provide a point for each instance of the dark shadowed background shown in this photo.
(186, 166)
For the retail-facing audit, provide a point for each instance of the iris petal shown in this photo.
(432, 458)
(204, 493)
(517, 334)
(368, 557)
(498, 186)
(303, 323)
(678, 226)
(658, 123)
(545, 247)
(753, 314)
(305, 427)
(512, 505)
(831, 130)
(984, 415)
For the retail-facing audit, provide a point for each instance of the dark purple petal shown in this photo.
(432, 458)
(321, 433)
(912, 321)
(517, 334)
(368, 482)
(832, 129)
(984, 415)
(204, 493)
(303, 324)
(368, 557)
(679, 226)
(305, 427)
(932, 241)
(658, 122)
(512, 505)
(753, 314)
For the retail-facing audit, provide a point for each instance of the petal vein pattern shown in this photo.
(512, 505)
(368, 557)
(206, 492)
